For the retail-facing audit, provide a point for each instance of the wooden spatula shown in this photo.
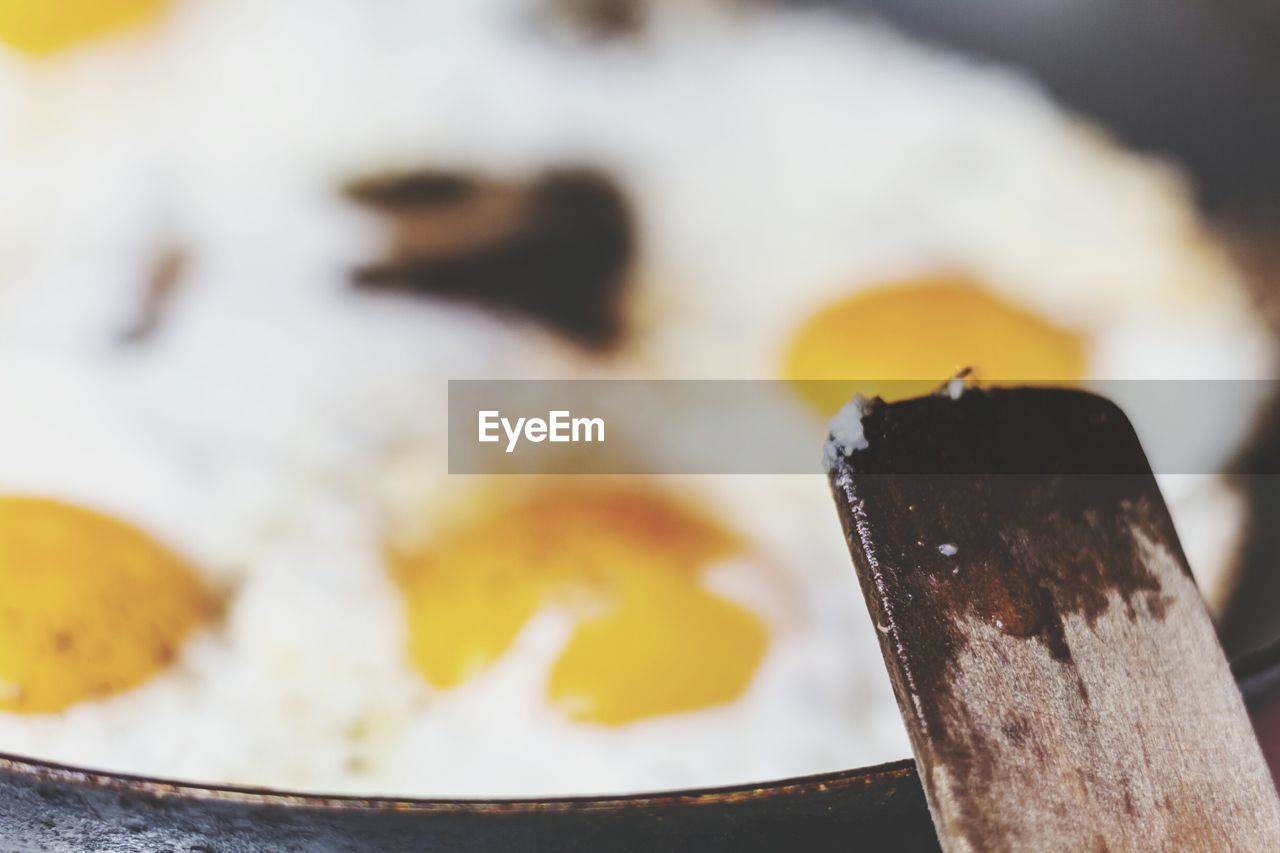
(1056, 667)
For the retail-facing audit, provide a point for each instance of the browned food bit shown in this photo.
(414, 189)
(556, 249)
(603, 19)
(158, 291)
(1057, 670)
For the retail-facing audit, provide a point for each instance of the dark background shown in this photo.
(1196, 80)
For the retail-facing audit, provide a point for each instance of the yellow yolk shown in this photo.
(891, 341)
(43, 27)
(90, 605)
(650, 638)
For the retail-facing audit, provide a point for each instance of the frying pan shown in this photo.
(1189, 79)
(47, 807)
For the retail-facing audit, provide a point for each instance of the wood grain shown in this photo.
(1056, 667)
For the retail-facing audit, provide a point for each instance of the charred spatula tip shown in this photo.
(1058, 673)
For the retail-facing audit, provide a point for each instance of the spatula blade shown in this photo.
(1058, 672)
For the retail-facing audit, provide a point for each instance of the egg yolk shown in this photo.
(43, 27)
(893, 341)
(649, 637)
(90, 605)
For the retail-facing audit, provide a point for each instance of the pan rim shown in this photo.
(159, 788)
(1258, 675)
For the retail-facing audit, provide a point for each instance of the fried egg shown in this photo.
(254, 566)
(43, 29)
